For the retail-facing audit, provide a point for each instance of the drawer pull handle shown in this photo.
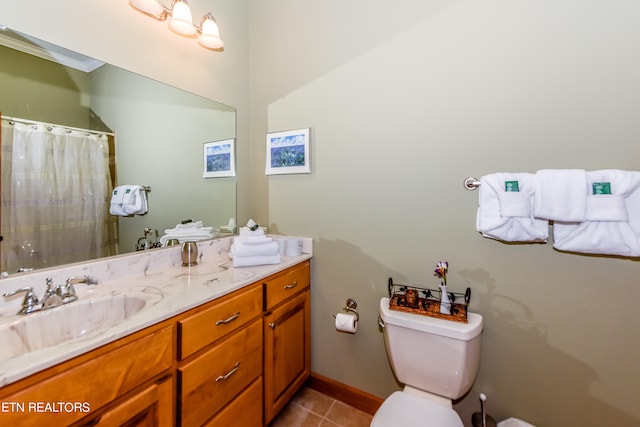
(228, 374)
(292, 285)
(230, 319)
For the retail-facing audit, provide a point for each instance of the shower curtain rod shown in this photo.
(33, 122)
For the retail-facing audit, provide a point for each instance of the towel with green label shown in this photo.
(611, 224)
(505, 208)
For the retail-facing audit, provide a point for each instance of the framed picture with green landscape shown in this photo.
(219, 159)
(288, 152)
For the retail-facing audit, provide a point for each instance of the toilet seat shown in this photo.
(409, 410)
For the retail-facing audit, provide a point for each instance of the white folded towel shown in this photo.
(250, 261)
(135, 200)
(117, 198)
(606, 207)
(253, 240)
(187, 237)
(561, 195)
(185, 231)
(245, 231)
(612, 223)
(188, 225)
(508, 215)
(244, 249)
(192, 231)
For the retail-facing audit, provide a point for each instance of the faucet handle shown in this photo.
(30, 302)
(66, 292)
(81, 279)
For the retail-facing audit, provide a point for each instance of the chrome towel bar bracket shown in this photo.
(471, 183)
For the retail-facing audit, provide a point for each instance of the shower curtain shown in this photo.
(56, 190)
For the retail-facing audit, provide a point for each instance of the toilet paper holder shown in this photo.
(351, 305)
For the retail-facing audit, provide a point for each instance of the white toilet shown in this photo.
(437, 361)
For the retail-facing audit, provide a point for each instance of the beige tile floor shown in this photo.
(310, 408)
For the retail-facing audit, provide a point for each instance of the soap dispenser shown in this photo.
(189, 254)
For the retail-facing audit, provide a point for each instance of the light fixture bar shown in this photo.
(151, 8)
(181, 22)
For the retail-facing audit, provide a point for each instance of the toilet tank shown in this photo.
(434, 355)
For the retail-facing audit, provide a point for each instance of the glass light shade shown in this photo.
(150, 7)
(180, 21)
(209, 33)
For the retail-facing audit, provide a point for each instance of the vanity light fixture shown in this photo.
(180, 21)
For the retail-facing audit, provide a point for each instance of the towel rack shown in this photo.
(471, 183)
(146, 188)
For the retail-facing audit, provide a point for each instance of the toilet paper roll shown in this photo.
(346, 322)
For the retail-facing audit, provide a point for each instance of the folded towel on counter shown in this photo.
(187, 231)
(242, 249)
(612, 217)
(252, 247)
(254, 240)
(561, 195)
(251, 261)
(189, 225)
(117, 198)
(505, 208)
(194, 232)
(245, 231)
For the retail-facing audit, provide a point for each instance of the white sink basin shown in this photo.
(78, 319)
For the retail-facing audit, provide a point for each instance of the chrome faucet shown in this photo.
(53, 297)
(30, 303)
(67, 292)
(50, 298)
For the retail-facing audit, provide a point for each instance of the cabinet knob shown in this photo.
(272, 325)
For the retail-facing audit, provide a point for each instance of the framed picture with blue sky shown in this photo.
(288, 152)
(219, 159)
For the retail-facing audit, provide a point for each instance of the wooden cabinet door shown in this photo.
(287, 334)
(150, 407)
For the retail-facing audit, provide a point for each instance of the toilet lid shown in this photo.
(408, 410)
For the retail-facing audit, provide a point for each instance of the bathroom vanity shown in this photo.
(231, 348)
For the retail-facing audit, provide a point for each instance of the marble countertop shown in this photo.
(156, 277)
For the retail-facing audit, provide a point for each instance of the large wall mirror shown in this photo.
(158, 139)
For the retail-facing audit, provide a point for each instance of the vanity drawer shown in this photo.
(212, 379)
(210, 324)
(245, 410)
(87, 387)
(280, 287)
